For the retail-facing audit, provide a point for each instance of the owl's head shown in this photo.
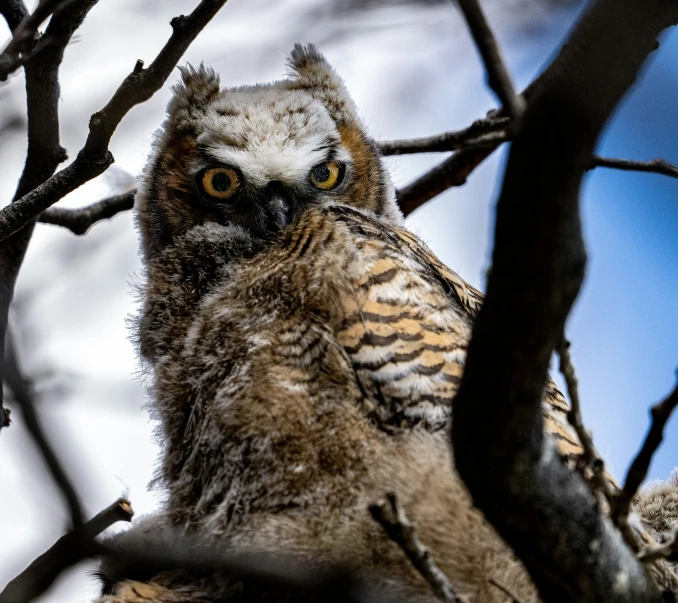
(258, 156)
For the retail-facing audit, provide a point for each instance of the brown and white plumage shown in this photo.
(304, 348)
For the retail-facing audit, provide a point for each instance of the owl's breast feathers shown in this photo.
(406, 321)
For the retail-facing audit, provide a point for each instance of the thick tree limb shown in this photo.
(498, 77)
(44, 151)
(542, 509)
(14, 12)
(391, 516)
(79, 221)
(94, 157)
(637, 472)
(66, 552)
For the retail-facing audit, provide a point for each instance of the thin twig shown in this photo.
(22, 393)
(590, 459)
(660, 413)
(65, 552)
(656, 166)
(498, 77)
(17, 50)
(94, 158)
(505, 590)
(79, 221)
(391, 516)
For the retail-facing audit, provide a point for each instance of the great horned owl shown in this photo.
(304, 348)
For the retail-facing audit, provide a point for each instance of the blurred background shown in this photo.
(413, 71)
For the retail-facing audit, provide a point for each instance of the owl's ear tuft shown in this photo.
(197, 88)
(311, 71)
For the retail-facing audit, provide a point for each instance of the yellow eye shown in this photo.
(326, 175)
(220, 183)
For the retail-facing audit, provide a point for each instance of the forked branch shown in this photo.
(79, 221)
(94, 158)
(67, 551)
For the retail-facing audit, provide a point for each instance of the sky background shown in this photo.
(413, 71)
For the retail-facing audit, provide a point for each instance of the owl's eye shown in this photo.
(327, 175)
(219, 183)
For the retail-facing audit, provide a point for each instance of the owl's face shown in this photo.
(258, 156)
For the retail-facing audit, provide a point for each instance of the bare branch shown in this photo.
(656, 166)
(498, 77)
(590, 458)
(391, 516)
(67, 551)
(94, 157)
(23, 396)
(79, 221)
(14, 12)
(451, 172)
(513, 472)
(638, 470)
(44, 151)
(19, 48)
(479, 133)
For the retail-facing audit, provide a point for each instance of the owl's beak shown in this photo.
(281, 206)
(280, 212)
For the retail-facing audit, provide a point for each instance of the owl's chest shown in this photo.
(406, 341)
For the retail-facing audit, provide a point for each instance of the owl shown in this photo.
(303, 349)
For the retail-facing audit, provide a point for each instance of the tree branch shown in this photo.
(541, 508)
(44, 151)
(480, 132)
(94, 158)
(451, 172)
(19, 50)
(14, 12)
(391, 516)
(67, 551)
(79, 221)
(637, 472)
(22, 392)
(498, 77)
(656, 166)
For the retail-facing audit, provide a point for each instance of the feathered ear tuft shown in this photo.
(311, 71)
(197, 88)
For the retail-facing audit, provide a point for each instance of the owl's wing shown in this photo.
(408, 336)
